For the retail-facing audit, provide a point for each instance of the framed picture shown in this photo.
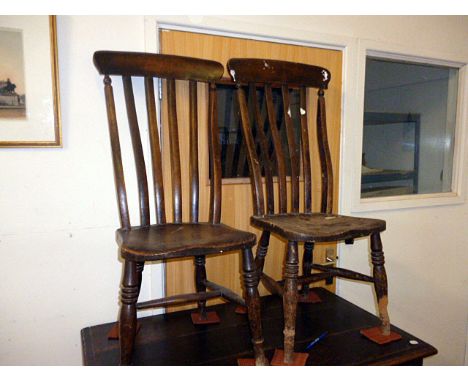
(29, 85)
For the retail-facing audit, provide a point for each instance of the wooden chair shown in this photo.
(172, 240)
(291, 224)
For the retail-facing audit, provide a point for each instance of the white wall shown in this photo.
(58, 256)
(59, 268)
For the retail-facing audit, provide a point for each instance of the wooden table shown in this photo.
(172, 339)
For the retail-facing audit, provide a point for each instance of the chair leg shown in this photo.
(307, 263)
(306, 295)
(139, 270)
(262, 249)
(128, 312)
(200, 279)
(114, 331)
(252, 299)
(290, 297)
(202, 317)
(380, 282)
(380, 334)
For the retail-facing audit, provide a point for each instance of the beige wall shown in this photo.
(58, 257)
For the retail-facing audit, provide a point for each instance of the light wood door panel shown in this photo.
(237, 200)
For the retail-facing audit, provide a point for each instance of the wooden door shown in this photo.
(237, 200)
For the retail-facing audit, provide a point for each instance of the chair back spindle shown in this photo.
(281, 164)
(307, 173)
(193, 164)
(254, 163)
(293, 149)
(325, 158)
(215, 153)
(137, 151)
(263, 143)
(176, 178)
(287, 76)
(171, 68)
(156, 160)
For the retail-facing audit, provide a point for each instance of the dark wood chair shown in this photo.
(172, 240)
(294, 224)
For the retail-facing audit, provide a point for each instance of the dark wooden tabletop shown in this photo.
(172, 339)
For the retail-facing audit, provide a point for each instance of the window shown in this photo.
(409, 125)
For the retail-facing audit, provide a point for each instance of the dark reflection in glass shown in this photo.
(233, 149)
(409, 128)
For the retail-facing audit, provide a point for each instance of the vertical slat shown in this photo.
(305, 152)
(261, 137)
(193, 164)
(137, 151)
(254, 164)
(325, 158)
(215, 181)
(116, 154)
(293, 150)
(175, 152)
(158, 183)
(282, 192)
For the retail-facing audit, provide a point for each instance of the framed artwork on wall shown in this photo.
(29, 83)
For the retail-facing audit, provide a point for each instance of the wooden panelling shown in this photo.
(236, 197)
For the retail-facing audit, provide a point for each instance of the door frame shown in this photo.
(348, 46)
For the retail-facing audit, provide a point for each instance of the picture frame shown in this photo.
(29, 82)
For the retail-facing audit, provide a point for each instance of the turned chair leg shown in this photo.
(262, 249)
(307, 264)
(380, 282)
(128, 313)
(290, 297)
(252, 299)
(139, 270)
(200, 279)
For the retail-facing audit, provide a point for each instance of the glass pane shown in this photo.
(409, 125)
(233, 150)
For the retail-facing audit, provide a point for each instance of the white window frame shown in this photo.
(353, 179)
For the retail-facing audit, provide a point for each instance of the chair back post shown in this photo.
(270, 74)
(171, 68)
(119, 176)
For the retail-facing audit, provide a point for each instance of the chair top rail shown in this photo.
(248, 70)
(157, 65)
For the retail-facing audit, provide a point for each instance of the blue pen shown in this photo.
(319, 338)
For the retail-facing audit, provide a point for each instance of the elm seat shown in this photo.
(318, 227)
(168, 241)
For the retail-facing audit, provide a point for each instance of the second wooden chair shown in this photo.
(258, 78)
